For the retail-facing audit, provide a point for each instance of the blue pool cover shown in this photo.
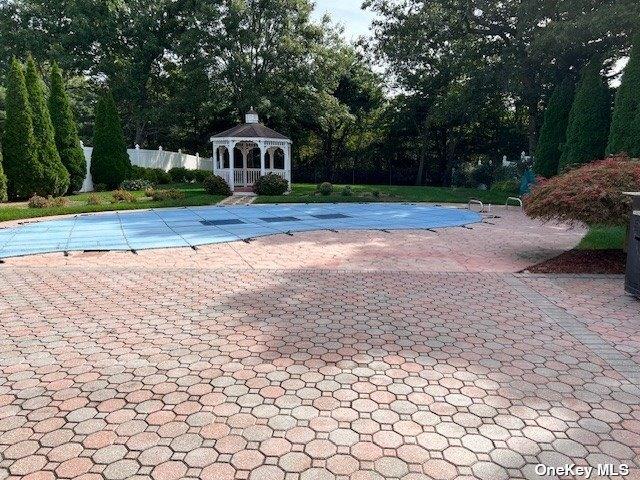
(193, 226)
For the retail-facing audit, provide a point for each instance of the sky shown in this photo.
(348, 13)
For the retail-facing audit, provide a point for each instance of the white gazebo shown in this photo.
(248, 151)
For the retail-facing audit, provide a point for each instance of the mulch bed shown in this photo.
(584, 261)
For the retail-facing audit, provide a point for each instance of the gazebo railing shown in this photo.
(247, 177)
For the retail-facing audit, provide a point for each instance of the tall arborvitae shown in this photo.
(589, 120)
(110, 163)
(66, 132)
(3, 181)
(625, 124)
(55, 177)
(554, 130)
(19, 147)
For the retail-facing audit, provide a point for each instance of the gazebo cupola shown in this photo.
(250, 150)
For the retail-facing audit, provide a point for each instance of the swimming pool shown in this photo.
(193, 226)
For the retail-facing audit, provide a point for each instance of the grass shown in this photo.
(194, 195)
(603, 238)
(306, 193)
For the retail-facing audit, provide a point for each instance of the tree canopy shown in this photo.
(438, 85)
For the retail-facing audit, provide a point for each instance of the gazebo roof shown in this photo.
(250, 130)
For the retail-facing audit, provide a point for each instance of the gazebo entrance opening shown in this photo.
(246, 152)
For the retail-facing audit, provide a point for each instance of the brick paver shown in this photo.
(192, 373)
(368, 365)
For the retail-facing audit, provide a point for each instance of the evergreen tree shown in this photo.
(19, 147)
(625, 124)
(3, 182)
(55, 177)
(554, 130)
(110, 162)
(66, 132)
(589, 120)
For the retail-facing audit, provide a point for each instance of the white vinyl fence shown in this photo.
(152, 159)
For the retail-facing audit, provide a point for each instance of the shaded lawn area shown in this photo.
(306, 193)
(194, 196)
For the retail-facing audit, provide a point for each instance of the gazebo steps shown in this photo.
(241, 198)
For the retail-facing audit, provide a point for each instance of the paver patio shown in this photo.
(380, 367)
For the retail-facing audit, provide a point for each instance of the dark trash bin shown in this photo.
(632, 282)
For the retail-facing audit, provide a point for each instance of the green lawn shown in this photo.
(194, 195)
(306, 193)
(603, 238)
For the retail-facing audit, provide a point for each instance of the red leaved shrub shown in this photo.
(591, 194)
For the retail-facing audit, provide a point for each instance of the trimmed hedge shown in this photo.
(110, 163)
(66, 131)
(270, 184)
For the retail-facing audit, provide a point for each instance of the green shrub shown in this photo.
(179, 175)
(156, 176)
(554, 130)
(216, 185)
(376, 193)
(510, 185)
(123, 196)
(19, 147)
(624, 136)
(137, 184)
(66, 132)
(55, 178)
(483, 175)
(184, 175)
(158, 195)
(110, 162)
(100, 187)
(37, 201)
(270, 184)
(94, 199)
(591, 194)
(346, 191)
(198, 176)
(325, 189)
(589, 120)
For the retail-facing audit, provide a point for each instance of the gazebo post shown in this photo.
(232, 176)
(216, 153)
(287, 163)
(262, 152)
